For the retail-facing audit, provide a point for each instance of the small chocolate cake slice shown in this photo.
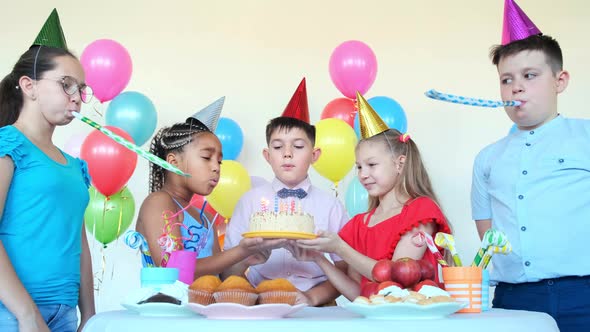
(162, 298)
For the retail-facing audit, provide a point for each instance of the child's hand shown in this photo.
(256, 244)
(302, 298)
(302, 254)
(325, 242)
(258, 258)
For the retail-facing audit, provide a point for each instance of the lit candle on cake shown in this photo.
(276, 204)
(293, 206)
(263, 204)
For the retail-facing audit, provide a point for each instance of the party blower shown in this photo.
(447, 241)
(492, 237)
(421, 238)
(492, 250)
(135, 240)
(469, 101)
(142, 153)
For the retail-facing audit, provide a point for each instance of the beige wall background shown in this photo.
(188, 53)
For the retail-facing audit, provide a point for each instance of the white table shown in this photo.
(326, 319)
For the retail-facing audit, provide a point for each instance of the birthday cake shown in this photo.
(285, 221)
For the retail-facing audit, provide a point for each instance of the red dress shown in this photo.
(379, 241)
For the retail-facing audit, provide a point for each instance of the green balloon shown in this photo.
(108, 217)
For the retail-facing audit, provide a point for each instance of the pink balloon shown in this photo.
(353, 67)
(108, 67)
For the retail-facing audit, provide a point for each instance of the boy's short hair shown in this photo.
(546, 44)
(287, 123)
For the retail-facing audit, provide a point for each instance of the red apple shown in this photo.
(382, 270)
(388, 283)
(370, 288)
(406, 271)
(423, 283)
(426, 269)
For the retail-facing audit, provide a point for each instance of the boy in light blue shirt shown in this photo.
(534, 185)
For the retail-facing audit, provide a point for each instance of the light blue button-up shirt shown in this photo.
(535, 186)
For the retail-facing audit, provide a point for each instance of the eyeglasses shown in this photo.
(71, 86)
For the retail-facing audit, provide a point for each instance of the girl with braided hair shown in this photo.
(193, 148)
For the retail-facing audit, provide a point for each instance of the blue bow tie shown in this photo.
(284, 193)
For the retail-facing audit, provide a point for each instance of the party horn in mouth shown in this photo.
(447, 241)
(142, 153)
(491, 237)
(469, 101)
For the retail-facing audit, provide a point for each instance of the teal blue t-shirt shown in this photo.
(41, 224)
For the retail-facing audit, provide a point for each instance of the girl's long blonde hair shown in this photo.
(413, 180)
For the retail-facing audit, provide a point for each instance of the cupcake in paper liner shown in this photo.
(236, 296)
(277, 297)
(201, 290)
(276, 291)
(236, 289)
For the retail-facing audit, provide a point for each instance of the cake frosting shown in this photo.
(286, 221)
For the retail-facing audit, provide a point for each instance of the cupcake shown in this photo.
(276, 291)
(201, 290)
(236, 289)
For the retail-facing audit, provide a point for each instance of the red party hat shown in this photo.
(297, 107)
(517, 25)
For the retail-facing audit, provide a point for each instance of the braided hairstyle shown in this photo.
(171, 139)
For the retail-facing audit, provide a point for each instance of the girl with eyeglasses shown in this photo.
(45, 264)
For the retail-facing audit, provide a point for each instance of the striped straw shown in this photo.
(447, 241)
(142, 153)
(136, 241)
(469, 101)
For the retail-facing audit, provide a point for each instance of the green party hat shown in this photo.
(51, 33)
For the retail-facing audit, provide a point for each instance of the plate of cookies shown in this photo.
(236, 298)
(396, 303)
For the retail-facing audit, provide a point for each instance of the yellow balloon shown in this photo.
(337, 141)
(234, 181)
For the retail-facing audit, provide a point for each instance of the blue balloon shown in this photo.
(389, 110)
(231, 136)
(357, 198)
(135, 114)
